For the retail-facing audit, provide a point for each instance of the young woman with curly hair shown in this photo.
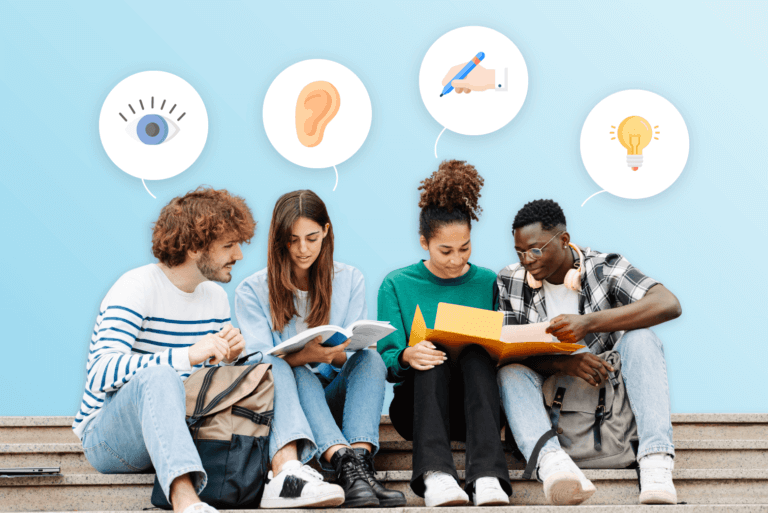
(336, 397)
(437, 399)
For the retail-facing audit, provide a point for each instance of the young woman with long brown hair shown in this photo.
(436, 399)
(341, 395)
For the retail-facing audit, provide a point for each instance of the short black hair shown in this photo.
(546, 212)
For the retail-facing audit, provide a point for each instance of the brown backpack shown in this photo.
(229, 412)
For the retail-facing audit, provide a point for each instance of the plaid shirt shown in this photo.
(607, 281)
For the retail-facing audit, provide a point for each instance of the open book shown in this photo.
(363, 334)
(457, 326)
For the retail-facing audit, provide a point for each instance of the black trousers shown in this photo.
(459, 401)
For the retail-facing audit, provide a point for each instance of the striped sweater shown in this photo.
(144, 321)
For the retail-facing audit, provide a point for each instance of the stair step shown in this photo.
(85, 492)
(680, 508)
(687, 426)
(691, 454)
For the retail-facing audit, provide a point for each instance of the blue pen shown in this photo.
(461, 75)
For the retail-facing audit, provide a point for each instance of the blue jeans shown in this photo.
(348, 409)
(645, 377)
(142, 424)
(289, 423)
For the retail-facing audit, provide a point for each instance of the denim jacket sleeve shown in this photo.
(253, 317)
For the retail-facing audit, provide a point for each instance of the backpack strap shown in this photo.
(554, 415)
(534, 459)
(204, 390)
(255, 417)
(216, 400)
(599, 419)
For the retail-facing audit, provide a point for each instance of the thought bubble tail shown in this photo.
(595, 194)
(337, 178)
(147, 188)
(438, 138)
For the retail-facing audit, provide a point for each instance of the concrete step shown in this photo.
(83, 492)
(687, 426)
(680, 508)
(691, 454)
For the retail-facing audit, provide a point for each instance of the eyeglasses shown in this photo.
(535, 253)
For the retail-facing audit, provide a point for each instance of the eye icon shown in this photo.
(152, 129)
(153, 125)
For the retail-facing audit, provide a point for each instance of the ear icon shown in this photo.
(317, 105)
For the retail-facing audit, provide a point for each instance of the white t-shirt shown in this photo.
(560, 300)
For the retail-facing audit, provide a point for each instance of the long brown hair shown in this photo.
(288, 209)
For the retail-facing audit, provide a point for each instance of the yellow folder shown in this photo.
(457, 326)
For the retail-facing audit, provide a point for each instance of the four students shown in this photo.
(160, 322)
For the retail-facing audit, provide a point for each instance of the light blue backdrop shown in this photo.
(72, 222)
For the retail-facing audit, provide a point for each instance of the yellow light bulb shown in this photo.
(634, 133)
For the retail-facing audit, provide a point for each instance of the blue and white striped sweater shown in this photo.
(146, 321)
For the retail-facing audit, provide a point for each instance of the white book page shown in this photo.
(367, 333)
(517, 333)
(298, 342)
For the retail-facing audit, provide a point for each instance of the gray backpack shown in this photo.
(594, 425)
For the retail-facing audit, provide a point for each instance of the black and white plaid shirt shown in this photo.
(608, 281)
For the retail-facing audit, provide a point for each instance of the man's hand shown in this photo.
(210, 346)
(423, 356)
(314, 352)
(479, 79)
(235, 340)
(569, 328)
(586, 366)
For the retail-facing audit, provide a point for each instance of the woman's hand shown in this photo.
(314, 352)
(423, 356)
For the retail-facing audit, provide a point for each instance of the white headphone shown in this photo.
(572, 279)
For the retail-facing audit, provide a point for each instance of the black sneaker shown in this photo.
(387, 498)
(351, 476)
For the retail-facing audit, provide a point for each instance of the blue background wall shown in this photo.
(72, 222)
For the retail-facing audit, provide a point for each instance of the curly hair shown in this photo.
(194, 221)
(450, 195)
(546, 212)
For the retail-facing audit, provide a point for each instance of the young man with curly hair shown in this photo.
(158, 324)
(607, 304)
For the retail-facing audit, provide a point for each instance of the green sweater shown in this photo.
(404, 289)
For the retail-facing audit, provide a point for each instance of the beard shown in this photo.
(211, 271)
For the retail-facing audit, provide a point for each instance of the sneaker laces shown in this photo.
(486, 484)
(655, 470)
(443, 479)
(656, 475)
(311, 473)
(558, 462)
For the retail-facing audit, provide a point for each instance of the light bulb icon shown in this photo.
(634, 133)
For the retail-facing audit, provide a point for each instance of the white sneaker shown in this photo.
(299, 486)
(656, 486)
(488, 492)
(443, 490)
(564, 482)
(200, 507)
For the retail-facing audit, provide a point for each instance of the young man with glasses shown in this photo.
(608, 305)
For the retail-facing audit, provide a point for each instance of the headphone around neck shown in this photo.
(572, 279)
